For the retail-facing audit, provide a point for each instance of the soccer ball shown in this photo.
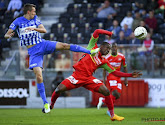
(140, 32)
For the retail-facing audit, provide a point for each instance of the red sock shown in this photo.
(112, 97)
(109, 103)
(54, 97)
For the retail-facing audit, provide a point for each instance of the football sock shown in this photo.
(54, 97)
(109, 103)
(41, 90)
(77, 48)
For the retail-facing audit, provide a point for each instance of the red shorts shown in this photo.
(75, 81)
(114, 83)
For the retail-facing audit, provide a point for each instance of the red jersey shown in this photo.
(116, 61)
(88, 64)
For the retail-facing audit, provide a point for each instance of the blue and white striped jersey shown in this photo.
(27, 37)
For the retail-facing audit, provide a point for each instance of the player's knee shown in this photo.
(39, 78)
(103, 90)
(106, 92)
(60, 88)
(116, 94)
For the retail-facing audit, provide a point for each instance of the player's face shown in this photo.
(104, 49)
(32, 13)
(114, 49)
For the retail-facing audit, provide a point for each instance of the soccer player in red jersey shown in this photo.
(85, 67)
(113, 83)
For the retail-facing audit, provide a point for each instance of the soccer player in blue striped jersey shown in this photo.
(29, 28)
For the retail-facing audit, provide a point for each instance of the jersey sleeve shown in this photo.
(38, 22)
(14, 24)
(92, 43)
(124, 62)
(107, 66)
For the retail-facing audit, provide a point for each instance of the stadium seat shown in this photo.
(161, 26)
(63, 20)
(108, 24)
(119, 18)
(65, 15)
(78, 1)
(95, 6)
(73, 40)
(160, 19)
(57, 28)
(101, 39)
(46, 36)
(157, 38)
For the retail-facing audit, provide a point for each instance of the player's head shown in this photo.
(114, 49)
(30, 10)
(105, 48)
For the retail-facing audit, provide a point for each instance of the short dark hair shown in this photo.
(105, 44)
(28, 7)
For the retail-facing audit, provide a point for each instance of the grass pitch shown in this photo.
(88, 116)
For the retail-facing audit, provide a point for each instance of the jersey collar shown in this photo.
(114, 56)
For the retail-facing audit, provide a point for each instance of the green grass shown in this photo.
(88, 116)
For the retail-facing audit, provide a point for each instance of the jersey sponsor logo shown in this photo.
(96, 81)
(72, 79)
(24, 31)
(13, 93)
(97, 60)
(114, 64)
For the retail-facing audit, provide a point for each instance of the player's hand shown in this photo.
(111, 33)
(136, 74)
(126, 82)
(11, 35)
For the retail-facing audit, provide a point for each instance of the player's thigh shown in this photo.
(37, 70)
(71, 83)
(62, 46)
(93, 84)
(49, 46)
(35, 61)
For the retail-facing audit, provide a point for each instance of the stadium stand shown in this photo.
(81, 12)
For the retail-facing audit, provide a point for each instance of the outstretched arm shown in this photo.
(40, 29)
(110, 69)
(9, 34)
(95, 37)
(101, 31)
(122, 74)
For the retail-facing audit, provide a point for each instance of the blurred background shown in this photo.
(73, 22)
